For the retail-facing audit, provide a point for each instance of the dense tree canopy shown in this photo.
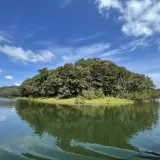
(11, 91)
(89, 75)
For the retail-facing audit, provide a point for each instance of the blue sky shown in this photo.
(49, 33)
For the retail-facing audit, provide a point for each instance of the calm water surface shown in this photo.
(45, 132)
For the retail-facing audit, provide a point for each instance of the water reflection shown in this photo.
(5, 102)
(93, 132)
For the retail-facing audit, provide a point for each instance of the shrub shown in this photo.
(89, 94)
(64, 92)
(99, 93)
(140, 97)
(79, 100)
(126, 95)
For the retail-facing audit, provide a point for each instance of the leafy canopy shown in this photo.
(91, 78)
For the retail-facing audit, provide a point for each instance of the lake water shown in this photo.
(44, 132)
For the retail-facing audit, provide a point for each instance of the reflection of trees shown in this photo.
(106, 126)
(8, 103)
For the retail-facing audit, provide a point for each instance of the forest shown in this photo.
(9, 91)
(90, 78)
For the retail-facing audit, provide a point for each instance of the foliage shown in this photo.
(11, 91)
(99, 93)
(90, 78)
(64, 92)
(140, 97)
(89, 94)
(79, 100)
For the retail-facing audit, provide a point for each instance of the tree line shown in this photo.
(90, 78)
(9, 91)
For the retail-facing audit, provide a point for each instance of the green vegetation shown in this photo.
(90, 79)
(81, 100)
(11, 91)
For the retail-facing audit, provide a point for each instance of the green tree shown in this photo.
(88, 78)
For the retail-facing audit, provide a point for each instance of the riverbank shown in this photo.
(73, 101)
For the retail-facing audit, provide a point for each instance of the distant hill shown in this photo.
(9, 91)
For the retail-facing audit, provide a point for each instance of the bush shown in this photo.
(140, 97)
(79, 100)
(99, 93)
(64, 92)
(91, 93)
(126, 95)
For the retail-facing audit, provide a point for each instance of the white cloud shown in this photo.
(139, 17)
(107, 4)
(1, 71)
(17, 84)
(134, 44)
(18, 53)
(71, 53)
(112, 52)
(4, 37)
(9, 77)
(65, 58)
(128, 47)
(92, 49)
(101, 50)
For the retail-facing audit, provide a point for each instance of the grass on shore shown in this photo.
(72, 101)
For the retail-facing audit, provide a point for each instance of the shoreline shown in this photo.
(72, 101)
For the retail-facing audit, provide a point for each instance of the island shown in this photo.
(89, 81)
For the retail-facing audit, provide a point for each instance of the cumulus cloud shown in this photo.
(18, 53)
(139, 17)
(17, 84)
(107, 4)
(9, 77)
